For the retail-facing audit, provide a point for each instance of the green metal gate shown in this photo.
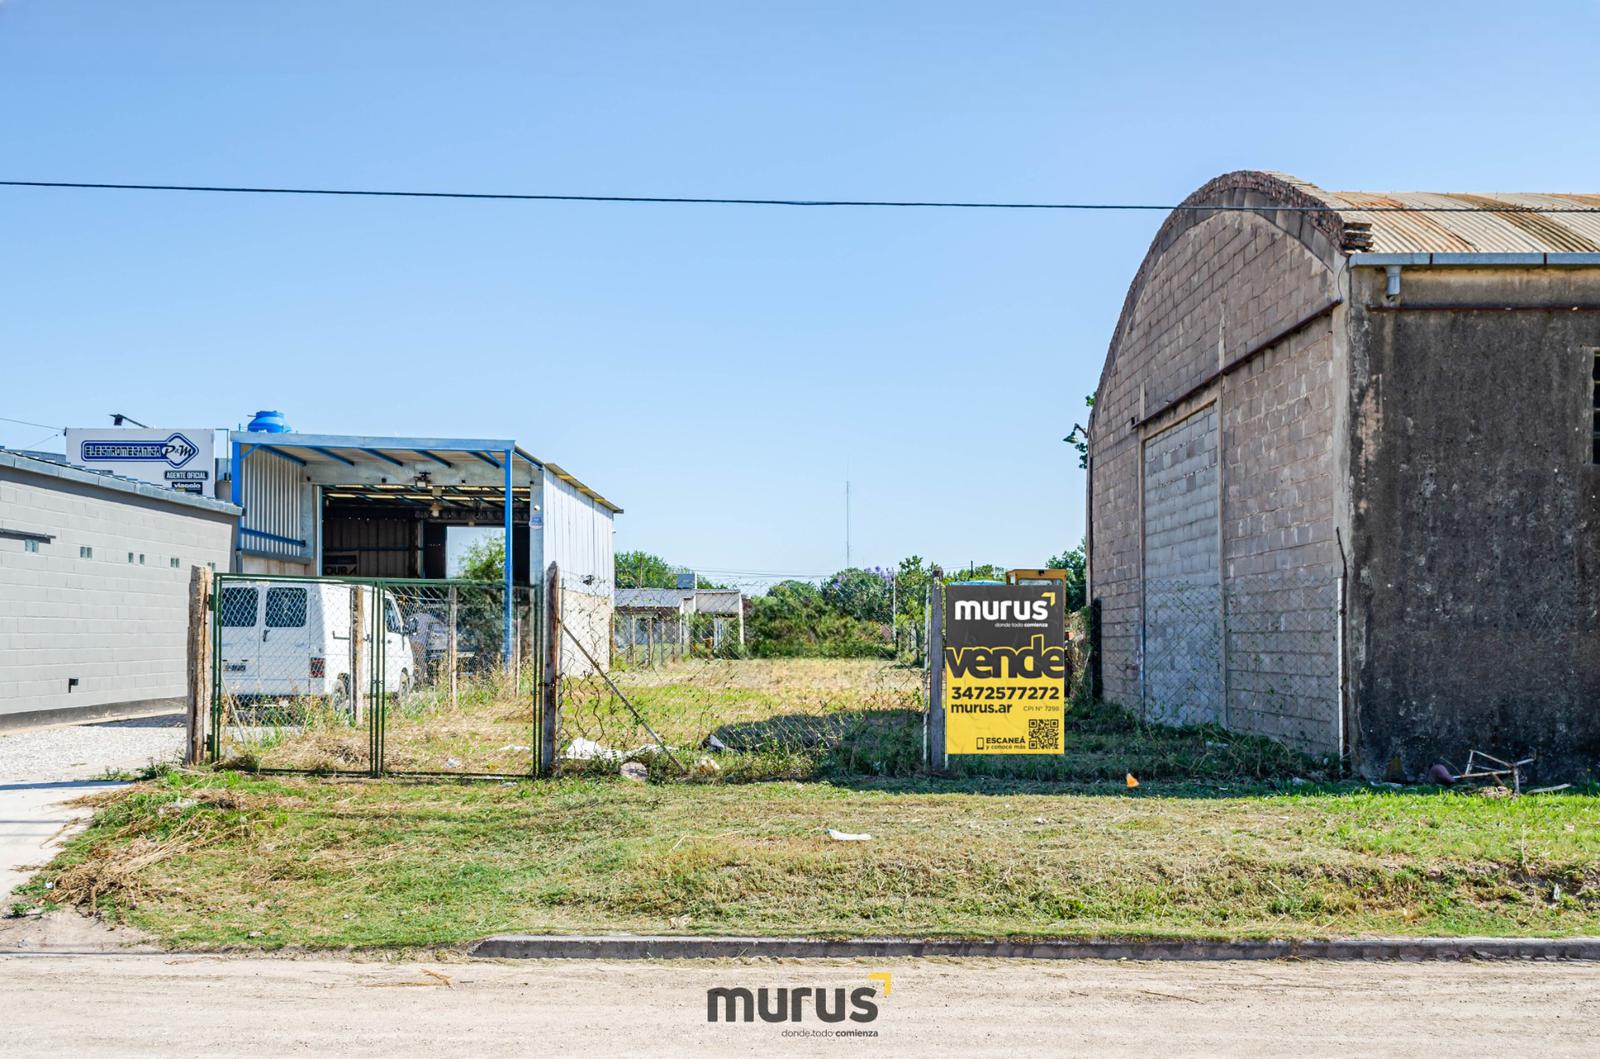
(374, 676)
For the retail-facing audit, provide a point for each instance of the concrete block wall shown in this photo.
(1280, 556)
(116, 624)
(1215, 288)
(1182, 615)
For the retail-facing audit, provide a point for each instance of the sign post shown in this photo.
(1003, 669)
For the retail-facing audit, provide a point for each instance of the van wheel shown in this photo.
(405, 684)
(341, 693)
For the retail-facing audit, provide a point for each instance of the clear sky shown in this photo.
(718, 371)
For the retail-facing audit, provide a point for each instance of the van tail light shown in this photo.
(319, 667)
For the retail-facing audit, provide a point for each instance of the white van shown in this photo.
(288, 640)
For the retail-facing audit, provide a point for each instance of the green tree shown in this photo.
(792, 619)
(643, 570)
(977, 572)
(861, 594)
(485, 559)
(1073, 563)
(1079, 438)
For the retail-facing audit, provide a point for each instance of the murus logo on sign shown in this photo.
(176, 450)
(1001, 610)
(788, 1004)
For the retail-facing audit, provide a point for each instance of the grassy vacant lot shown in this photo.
(231, 859)
(789, 718)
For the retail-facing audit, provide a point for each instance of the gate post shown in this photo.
(937, 760)
(549, 690)
(360, 668)
(199, 659)
(450, 644)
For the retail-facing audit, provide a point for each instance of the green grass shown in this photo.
(788, 718)
(207, 860)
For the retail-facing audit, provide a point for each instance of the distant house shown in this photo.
(1344, 474)
(662, 623)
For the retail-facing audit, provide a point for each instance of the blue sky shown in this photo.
(719, 371)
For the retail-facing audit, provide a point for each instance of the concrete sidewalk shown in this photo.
(34, 819)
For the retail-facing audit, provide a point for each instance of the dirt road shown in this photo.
(172, 1005)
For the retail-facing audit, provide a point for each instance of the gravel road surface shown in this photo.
(84, 751)
(132, 1005)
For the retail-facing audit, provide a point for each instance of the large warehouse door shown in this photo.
(1181, 646)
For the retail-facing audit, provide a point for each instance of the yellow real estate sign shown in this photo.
(1005, 669)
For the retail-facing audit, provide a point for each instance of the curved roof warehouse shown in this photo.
(1344, 475)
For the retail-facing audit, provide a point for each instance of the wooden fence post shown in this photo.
(936, 755)
(450, 658)
(199, 659)
(550, 690)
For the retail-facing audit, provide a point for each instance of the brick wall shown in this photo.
(1215, 290)
(116, 624)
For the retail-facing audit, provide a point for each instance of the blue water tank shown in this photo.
(269, 423)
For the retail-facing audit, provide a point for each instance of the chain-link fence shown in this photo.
(374, 676)
(739, 680)
(1260, 655)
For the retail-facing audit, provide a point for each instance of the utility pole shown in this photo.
(847, 523)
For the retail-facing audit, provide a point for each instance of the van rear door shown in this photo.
(285, 649)
(239, 638)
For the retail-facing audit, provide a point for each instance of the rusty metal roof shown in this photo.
(1492, 224)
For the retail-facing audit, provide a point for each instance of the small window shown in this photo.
(239, 608)
(286, 608)
(85, 552)
(30, 546)
(174, 563)
(141, 558)
(130, 557)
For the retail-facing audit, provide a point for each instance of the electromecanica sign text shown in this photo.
(178, 459)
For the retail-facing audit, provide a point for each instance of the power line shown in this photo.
(31, 423)
(688, 200)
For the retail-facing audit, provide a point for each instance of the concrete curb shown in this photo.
(639, 947)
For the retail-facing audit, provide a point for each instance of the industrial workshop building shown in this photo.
(335, 504)
(94, 589)
(1344, 474)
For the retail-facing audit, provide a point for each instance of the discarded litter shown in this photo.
(1131, 782)
(1481, 766)
(845, 836)
(451, 763)
(706, 767)
(515, 746)
(176, 806)
(635, 771)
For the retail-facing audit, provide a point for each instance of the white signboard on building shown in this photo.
(175, 459)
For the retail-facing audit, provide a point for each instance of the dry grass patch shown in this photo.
(232, 860)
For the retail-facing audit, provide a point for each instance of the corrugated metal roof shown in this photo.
(652, 598)
(1492, 224)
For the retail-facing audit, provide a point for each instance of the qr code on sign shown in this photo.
(1044, 733)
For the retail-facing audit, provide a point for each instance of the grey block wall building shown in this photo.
(94, 588)
(1344, 483)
